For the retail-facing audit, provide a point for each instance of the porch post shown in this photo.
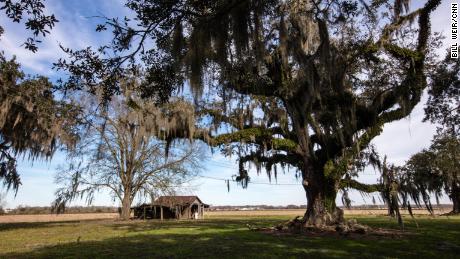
(161, 212)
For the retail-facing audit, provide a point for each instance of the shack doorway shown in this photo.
(195, 211)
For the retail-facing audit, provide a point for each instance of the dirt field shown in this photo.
(55, 218)
(301, 212)
(209, 214)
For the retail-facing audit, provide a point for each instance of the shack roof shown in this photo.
(177, 200)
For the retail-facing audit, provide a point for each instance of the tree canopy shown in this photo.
(443, 106)
(306, 84)
(435, 171)
(36, 21)
(32, 121)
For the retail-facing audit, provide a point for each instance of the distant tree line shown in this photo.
(37, 210)
(443, 207)
(258, 207)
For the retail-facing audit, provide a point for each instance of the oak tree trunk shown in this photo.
(321, 193)
(320, 189)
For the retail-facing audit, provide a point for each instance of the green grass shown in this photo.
(222, 238)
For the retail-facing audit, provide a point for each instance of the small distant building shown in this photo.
(172, 207)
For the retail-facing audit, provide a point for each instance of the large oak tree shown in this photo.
(306, 84)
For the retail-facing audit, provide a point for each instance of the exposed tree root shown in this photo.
(348, 229)
(451, 213)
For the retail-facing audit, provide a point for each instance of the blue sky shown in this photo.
(76, 29)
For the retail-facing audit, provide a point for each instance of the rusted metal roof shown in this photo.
(176, 200)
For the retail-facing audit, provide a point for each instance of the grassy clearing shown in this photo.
(222, 237)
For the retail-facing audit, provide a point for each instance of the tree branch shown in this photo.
(367, 188)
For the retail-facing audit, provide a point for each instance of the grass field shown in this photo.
(222, 213)
(224, 236)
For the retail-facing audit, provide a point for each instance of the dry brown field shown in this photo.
(298, 212)
(55, 218)
(210, 214)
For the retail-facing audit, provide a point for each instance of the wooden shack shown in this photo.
(172, 207)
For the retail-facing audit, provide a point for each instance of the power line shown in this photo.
(218, 164)
(222, 162)
(260, 183)
(222, 166)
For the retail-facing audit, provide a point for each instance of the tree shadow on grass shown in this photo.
(223, 224)
(233, 244)
(25, 225)
(229, 244)
(228, 238)
(141, 225)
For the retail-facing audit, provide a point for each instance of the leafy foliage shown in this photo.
(36, 20)
(434, 171)
(443, 105)
(32, 121)
(430, 172)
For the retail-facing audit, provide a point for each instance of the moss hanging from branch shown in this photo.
(32, 122)
(337, 72)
